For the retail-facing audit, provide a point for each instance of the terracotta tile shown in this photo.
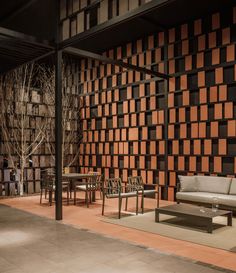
(225, 36)
(203, 112)
(139, 46)
(181, 163)
(201, 78)
(175, 147)
(222, 146)
(200, 60)
(219, 75)
(183, 130)
(188, 62)
(228, 110)
(217, 164)
(222, 92)
(186, 147)
(201, 42)
(192, 163)
(214, 128)
(205, 164)
(184, 31)
(212, 39)
(202, 130)
(215, 21)
(213, 94)
(207, 146)
(172, 115)
(197, 147)
(230, 53)
(171, 163)
(231, 128)
(218, 113)
(171, 35)
(197, 27)
(185, 47)
(215, 56)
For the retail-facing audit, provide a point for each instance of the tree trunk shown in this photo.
(21, 185)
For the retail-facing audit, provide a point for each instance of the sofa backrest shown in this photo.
(188, 183)
(232, 189)
(214, 184)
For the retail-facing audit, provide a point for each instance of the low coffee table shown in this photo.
(194, 214)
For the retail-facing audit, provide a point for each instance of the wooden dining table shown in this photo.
(76, 178)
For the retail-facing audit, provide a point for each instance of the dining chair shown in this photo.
(113, 188)
(47, 185)
(90, 187)
(136, 183)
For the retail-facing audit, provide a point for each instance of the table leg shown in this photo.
(71, 188)
(229, 219)
(157, 218)
(209, 226)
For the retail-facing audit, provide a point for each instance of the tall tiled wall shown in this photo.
(135, 124)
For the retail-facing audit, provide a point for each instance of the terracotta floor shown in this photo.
(90, 218)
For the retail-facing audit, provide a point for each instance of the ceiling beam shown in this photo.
(103, 59)
(153, 22)
(9, 16)
(24, 38)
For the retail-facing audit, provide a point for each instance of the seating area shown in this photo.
(207, 190)
(118, 136)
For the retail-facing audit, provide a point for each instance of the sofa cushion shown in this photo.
(228, 200)
(199, 197)
(233, 187)
(214, 184)
(207, 197)
(188, 183)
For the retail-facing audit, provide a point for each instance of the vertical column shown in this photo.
(58, 119)
(166, 86)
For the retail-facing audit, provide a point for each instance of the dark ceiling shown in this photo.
(38, 18)
(165, 15)
(32, 17)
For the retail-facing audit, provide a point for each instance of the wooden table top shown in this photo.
(191, 210)
(77, 175)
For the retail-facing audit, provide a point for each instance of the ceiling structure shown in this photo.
(36, 20)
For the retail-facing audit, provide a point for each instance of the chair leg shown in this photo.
(142, 204)
(103, 203)
(50, 197)
(120, 204)
(41, 196)
(137, 205)
(90, 196)
(68, 196)
(126, 204)
(87, 198)
(74, 196)
(157, 199)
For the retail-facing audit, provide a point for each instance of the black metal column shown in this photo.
(166, 85)
(58, 118)
(58, 133)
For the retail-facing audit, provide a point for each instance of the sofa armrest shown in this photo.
(178, 186)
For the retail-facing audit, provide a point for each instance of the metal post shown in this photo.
(166, 85)
(58, 118)
(58, 134)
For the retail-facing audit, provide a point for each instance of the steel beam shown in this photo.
(94, 56)
(24, 38)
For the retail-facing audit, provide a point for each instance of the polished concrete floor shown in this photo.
(33, 244)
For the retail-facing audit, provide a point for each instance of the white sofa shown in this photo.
(202, 189)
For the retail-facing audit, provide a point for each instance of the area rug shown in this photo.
(223, 237)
